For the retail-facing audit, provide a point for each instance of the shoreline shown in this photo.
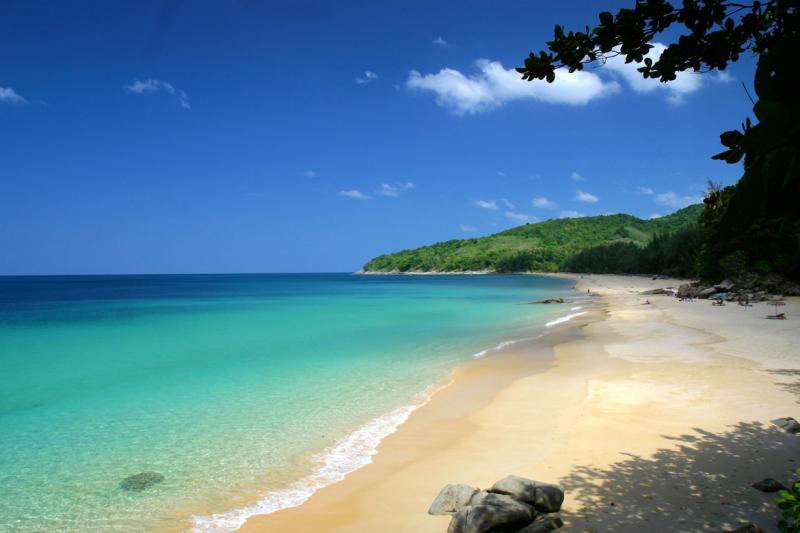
(629, 390)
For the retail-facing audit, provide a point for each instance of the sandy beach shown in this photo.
(650, 416)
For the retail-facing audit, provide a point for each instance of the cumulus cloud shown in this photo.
(570, 214)
(494, 85)
(395, 190)
(670, 199)
(507, 203)
(676, 91)
(310, 174)
(587, 197)
(354, 194)
(576, 177)
(543, 203)
(487, 204)
(439, 41)
(654, 216)
(10, 96)
(519, 217)
(151, 86)
(466, 228)
(369, 76)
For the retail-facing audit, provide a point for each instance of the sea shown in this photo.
(247, 393)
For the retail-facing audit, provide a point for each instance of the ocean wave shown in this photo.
(576, 308)
(481, 353)
(333, 465)
(563, 319)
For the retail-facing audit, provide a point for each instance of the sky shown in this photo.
(310, 136)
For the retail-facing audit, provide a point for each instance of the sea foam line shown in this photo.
(333, 465)
(563, 319)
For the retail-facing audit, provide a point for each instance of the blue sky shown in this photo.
(257, 136)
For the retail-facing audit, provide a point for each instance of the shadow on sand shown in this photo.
(700, 484)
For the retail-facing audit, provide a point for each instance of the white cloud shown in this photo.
(310, 174)
(10, 96)
(369, 76)
(439, 41)
(676, 90)
(395, 190)
(151, 86)
(570, 214)
(587, 197)
(543, 203)
(576, 177)
(507, 203)
(466, 228)
(487, 204)
(654, 216)
(501, 174)
(519, 217)
(355, 194)
(646, 191)
(670, 199)
(494, 86)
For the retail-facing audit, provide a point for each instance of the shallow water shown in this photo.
(237, 388)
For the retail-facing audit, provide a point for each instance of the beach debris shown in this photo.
(514, 505)
(141, 481)
(549, 301)
(788, 424)
(452, 498)
(747, 528)
(769, 485)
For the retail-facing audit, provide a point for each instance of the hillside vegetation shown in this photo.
(601, 243)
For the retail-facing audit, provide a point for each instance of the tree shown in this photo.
(765, 203)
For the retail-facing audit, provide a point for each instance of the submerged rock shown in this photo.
(769, 485)
(452, 498)
(788, 424)
(141, 481)
(550, 301)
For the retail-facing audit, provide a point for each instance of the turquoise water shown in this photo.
(246, 392)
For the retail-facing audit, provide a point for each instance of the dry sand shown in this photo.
(653, 417)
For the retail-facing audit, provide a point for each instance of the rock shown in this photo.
(788, 424)
(550, 301)
(705, 293)
(747, 528)
(769, 485)
(725, 285)
(687, 291)
(668, 292)
(500, 500)
(452, 498)
(485, 518)
(139, 482)
(544, 497)
(543, 524)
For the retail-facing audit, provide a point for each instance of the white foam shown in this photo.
(481, 353)
(563, 319)
(346, 456)
(576, 308)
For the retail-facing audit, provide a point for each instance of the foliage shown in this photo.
(789, 504)
(754, 225)
(554, 245)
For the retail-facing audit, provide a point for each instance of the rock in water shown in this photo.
(452, 498)
(543, 496)
(769, 485)
(139, 482)
(788, 424)
(543, 525)
(549, 301)
(484, 518)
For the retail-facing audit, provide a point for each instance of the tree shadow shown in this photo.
(792, 387)
(700, 484)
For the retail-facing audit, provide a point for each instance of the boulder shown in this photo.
(485, 518)
(769, 485)
(544, 497)
(687, 291)
(452, 498)
(141, 481)
(500, 500)
(788, 424)
(706, 292)
(668, 292)
(542, 524)
(549, 301)
(747, 528)
(725, 285)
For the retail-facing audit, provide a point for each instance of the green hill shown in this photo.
(542, 246)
